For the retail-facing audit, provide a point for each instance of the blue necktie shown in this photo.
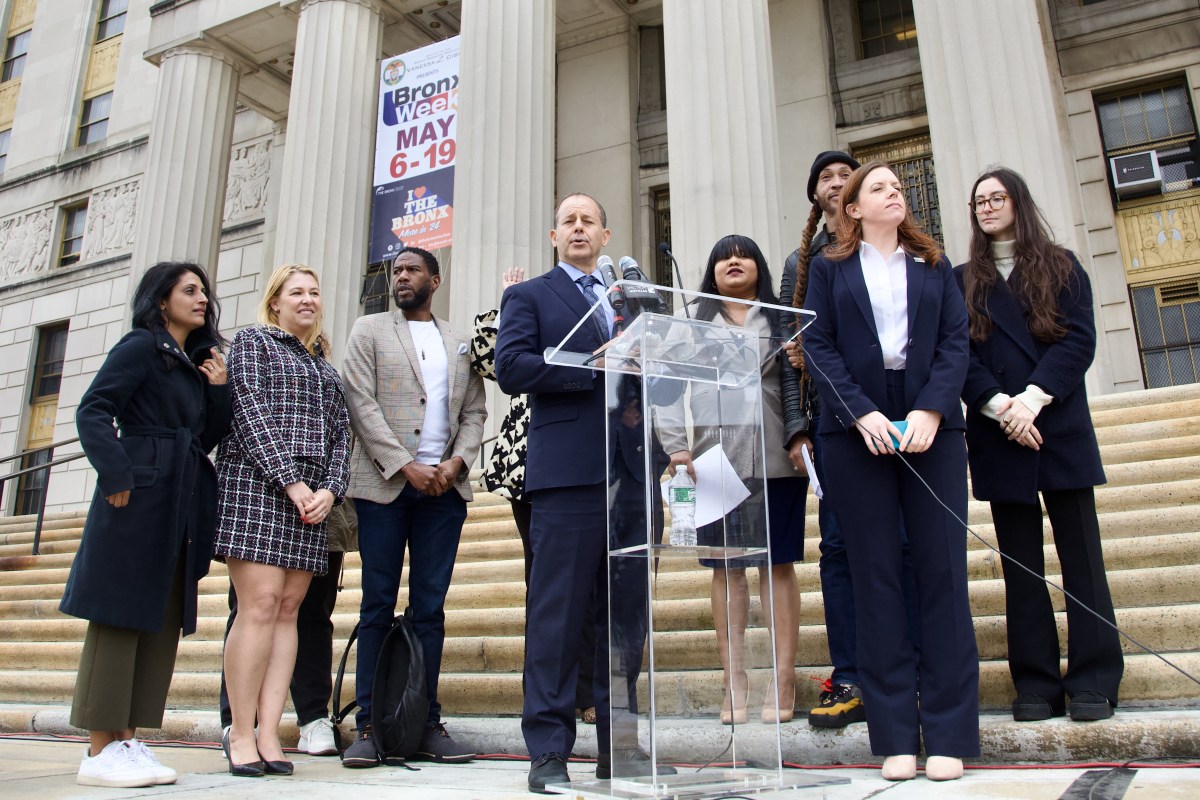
(586, 283)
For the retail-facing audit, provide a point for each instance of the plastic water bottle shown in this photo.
(682, 500)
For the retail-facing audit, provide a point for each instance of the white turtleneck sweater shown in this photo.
(1004, 254)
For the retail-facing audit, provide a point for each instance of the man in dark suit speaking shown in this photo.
(565, 479)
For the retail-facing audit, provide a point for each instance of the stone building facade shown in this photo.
(239, 134)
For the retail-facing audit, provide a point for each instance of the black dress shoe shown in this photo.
(633, 764)
(1029, 707)
(548, 769)
(1090, 707)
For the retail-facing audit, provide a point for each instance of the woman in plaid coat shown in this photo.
(280, 470)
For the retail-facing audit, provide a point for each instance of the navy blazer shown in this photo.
(1008, 361)
(567, 404)
(843, 345)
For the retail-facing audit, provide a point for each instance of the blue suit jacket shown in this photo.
(1009, 360)
(567, 404)
(842, 344)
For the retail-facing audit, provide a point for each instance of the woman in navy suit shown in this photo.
(1033, 336)
(889, 344)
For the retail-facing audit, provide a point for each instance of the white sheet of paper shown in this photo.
(813, 480)
(719, 490)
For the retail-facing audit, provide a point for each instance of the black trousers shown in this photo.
(1094, 660)
(523, 516)
(312, 681)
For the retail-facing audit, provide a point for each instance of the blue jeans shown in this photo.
(430, 527)
(837, 588)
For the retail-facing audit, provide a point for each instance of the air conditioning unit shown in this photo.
(1136, 174)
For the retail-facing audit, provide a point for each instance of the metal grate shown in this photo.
(1168, 330)
(1177, 292)
(912, 159)
(660, 199)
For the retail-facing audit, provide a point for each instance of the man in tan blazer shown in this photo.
(417, 410)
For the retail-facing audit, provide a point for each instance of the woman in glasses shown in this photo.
(1033, 336)
(888, 353)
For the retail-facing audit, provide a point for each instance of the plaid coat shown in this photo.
(386, 395)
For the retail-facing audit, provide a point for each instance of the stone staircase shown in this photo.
(1150, 442)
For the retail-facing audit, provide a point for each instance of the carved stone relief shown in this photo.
(246, 188)
(111, 220)
(1161, 236)
(25, 244)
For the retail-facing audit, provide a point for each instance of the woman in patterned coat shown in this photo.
(281, 469)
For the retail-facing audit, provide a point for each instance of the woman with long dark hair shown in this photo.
(1033, 337)
(888, 349)
(148, 538)
(738, 270)
(284, 464)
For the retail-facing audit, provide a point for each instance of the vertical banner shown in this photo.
(413, 202)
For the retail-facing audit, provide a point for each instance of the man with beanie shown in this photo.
(840, 701)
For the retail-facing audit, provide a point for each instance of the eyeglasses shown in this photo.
(996, 201)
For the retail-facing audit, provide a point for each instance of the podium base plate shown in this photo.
(712, 783)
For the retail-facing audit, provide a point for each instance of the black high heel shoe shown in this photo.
(277, 767)
(254, 769)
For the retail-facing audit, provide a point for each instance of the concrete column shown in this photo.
(183, 190)
(723, 139)
(597, 148)
(324, 194)
(991, 101)
(504, 180)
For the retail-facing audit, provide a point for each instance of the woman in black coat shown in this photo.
(148, 538)
(1033, 337)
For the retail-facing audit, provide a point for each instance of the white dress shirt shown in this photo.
(600, 289)
(887, 285)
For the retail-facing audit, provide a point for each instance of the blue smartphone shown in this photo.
(901, 426)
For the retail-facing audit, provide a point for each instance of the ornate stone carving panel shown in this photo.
(1161, 239)
(102, 66)
(25, 244)
(8, 101)
(246, 188)
(111, 220)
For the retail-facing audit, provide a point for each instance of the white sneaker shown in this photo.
(316, 738)
(114, 766)
(142, 754)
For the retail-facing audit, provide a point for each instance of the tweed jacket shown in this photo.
(505, 471)
(287, 404)
(385, 392)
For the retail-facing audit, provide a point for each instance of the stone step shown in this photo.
(1167, 629)
(1147, 682)
(1144, 397)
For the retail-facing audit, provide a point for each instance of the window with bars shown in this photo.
(885, 26)
(1157, 118)
(912, 159)
(71, 248)
(15, 52)
(112, 19)
(660, 202)
(376, 294)
(1167, 317)
(93, 122)
(47, 372)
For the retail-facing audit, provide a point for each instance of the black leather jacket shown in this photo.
(797, 391)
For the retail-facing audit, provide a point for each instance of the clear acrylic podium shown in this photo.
(688, 381)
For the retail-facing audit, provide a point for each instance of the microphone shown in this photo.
(648, 299)
(665, 249)
(616, 296)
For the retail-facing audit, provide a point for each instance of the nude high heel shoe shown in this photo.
(733, 709)
(943, 768)
(899, 768)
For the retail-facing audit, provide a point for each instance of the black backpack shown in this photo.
(399, 705)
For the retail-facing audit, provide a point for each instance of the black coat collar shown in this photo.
(1005, 310)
